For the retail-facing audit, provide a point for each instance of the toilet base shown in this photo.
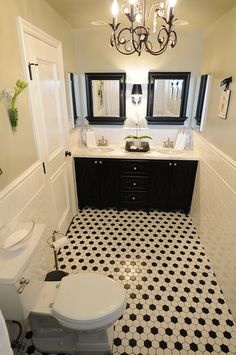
(50, 337)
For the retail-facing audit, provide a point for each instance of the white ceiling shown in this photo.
(199, 13)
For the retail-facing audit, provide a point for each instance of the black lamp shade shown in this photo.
(137, 89)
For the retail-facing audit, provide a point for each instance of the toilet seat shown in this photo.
(88, 301)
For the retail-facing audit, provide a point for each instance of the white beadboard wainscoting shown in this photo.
(214, 214)
(25, 197)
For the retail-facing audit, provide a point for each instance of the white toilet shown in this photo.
(72, 316)
(76, 315)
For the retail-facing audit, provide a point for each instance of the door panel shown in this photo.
(49, 90)
(50, 127)
(182, 184)
(109, 182)
(61, 196)
(160, 184)
(88, 182)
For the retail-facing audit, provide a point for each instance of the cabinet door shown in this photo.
(109, 177)
(88, 182)
(182, 184)
(160, 184)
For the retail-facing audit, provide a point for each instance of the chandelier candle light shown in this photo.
(139, 35)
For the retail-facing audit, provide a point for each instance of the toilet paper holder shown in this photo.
(56, 244)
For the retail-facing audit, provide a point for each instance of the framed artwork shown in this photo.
(224, 104)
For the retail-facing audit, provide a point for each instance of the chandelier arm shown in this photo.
(165, 45)
(117, 42)
(155, 3)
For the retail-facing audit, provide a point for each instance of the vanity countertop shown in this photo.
(118, 152)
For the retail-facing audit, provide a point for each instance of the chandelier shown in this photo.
(149, 27)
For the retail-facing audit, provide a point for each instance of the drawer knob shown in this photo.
(133, 198)
(100, 162)
(175, 164)
(170, 164)
(134, 183)
(23, 282)
(135, 168)
(95, 162)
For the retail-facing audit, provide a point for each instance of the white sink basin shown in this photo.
(169, 151)
(100, 150)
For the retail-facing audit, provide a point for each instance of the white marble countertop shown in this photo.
(118, 152)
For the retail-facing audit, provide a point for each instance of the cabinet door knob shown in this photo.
(170, 164)
(100, 162)
(133, 198)
(175, 164)
(95, 162)
(135, 167)
(134, 183)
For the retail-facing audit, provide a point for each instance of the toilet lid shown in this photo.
(88, 297)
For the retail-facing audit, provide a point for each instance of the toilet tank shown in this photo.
(26, 263)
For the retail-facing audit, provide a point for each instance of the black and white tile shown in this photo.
(175, 305)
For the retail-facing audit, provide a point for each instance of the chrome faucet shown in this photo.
(102, 142)
(168, 144)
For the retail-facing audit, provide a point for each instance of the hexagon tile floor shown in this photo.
(175, 305)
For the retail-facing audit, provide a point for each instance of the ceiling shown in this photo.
(199, 13)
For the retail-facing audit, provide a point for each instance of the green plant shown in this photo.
(12, 110)
(138, 137)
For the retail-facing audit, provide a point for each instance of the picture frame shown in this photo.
(224, 104)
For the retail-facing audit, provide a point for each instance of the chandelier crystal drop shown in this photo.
(150, 27)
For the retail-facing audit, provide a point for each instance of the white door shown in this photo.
(45, 77)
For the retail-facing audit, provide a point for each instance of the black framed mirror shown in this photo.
(201, 98)
(106, 97)
(73, 95)
(167, 97)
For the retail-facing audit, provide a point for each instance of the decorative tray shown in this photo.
(130, 147)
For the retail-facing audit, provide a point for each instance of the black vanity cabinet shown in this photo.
(127, 183)
(97, 183)
(171, 184)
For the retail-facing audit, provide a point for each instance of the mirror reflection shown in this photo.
(167, 97)
(106, 98)
(105, 93)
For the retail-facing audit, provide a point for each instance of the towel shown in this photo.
(180, 141)
(90, 139)
(4, 337)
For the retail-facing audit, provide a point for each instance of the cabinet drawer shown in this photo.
(134, 182)
(134, 197)
(133, 167)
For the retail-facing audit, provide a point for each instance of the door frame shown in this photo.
(25, 27)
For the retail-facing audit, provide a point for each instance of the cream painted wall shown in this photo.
(219, 60)
(94, 54)
(17, 151)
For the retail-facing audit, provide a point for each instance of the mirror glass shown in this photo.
(106, 98)
(167, 97)
(105, 93)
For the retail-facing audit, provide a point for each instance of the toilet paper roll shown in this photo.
(59, 243)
